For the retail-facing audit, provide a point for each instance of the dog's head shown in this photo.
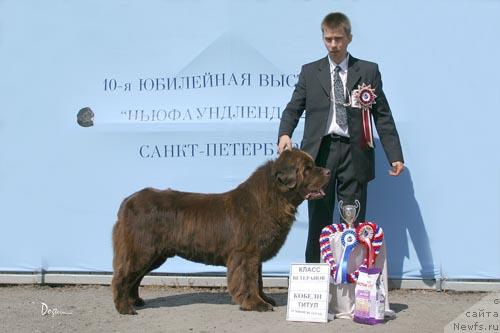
(296, 174)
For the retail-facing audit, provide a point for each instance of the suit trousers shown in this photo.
(335, 155)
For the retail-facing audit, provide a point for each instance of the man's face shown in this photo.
(336, 42)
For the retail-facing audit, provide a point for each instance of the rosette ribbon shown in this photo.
(327, 235)
(371, 236)
(349, 241)
(365, 96)
(365, 235)
(326, 248)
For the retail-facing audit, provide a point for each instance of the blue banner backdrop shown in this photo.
(188, 95)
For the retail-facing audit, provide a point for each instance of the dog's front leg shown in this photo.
(243, 274)
(261, 289)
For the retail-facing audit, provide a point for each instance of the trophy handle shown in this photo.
(357, 208)
(341, 204)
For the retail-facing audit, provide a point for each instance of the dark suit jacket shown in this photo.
(312, 94)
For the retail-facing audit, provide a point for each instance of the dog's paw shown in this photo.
(268, 299)
(127, 311)
(260, 306)
(139, 302)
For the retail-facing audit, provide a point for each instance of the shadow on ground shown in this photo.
(398, 307)
(203, 298)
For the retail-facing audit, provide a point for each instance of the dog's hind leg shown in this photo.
(261, 291)
(130, 268)
(120, 284)
(134, 291)
(242, 281)
(126, 283)
(121, 287)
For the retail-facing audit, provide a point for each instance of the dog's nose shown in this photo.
(327, 172)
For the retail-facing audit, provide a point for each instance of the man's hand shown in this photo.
(397, 168)
(284, 143)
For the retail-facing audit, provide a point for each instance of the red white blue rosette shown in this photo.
(375, 240)
(365, 96)
(349, 242)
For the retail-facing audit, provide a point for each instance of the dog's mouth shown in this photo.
(315, 194)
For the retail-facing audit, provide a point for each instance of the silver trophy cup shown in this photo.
(349, 212)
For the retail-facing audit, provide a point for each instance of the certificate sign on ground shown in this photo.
(308, 292)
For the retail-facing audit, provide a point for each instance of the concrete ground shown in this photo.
(89, 308)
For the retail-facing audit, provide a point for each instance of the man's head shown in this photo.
(336, 29)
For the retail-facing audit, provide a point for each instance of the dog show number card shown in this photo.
(308, 292)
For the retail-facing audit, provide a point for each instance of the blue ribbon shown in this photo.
(349, 242)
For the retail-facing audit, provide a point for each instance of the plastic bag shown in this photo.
(369, 294)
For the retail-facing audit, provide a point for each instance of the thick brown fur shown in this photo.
(238, 229)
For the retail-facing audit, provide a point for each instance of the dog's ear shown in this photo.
(285, 173)
(286, 179)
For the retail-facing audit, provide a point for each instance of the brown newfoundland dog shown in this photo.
(238, 229)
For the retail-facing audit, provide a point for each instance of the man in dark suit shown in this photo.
(334, 129)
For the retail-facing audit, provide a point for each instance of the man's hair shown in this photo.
(335, 20)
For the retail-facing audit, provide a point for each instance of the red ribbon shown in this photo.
(371, 253)
(367, 128)
(376, 237)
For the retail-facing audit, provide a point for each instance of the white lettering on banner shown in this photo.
(308, 292)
